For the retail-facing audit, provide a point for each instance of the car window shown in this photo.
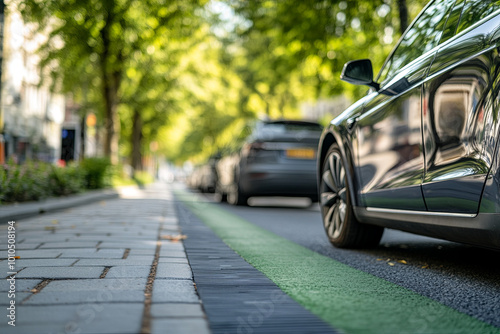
(291, 127)
(285, 128)
(452, 22)
(423, 35)
(476, 10)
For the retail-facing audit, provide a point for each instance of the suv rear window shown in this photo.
(284, 127)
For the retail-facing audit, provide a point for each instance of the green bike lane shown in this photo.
(348, 299)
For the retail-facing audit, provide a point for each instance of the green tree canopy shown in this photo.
(296, 49)
(93, 44)
(190, 73)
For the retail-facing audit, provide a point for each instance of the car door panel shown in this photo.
(391, 160)
(389, 134)
(461, 121)
(389, 142)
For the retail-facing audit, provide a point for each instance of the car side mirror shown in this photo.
(359, 72)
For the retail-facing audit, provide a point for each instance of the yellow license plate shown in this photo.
(301, 153)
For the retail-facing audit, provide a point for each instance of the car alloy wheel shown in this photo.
(333, 200)
(341, 226)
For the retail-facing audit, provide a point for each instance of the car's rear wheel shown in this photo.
(236, 196)
(341, 226)
(220, 195)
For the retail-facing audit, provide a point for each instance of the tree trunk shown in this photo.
(403, 16)
(136, 140)
(83, 136)
(110, 91)
(111, 120)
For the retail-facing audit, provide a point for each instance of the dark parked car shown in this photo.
(419, 152)
(277, 159)
(204, 177)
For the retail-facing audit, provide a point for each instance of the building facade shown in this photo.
(32, 115)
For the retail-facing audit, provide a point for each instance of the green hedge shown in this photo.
(96, 172)
(33, 181)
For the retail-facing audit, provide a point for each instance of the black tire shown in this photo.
(236, 196)
(339, 221)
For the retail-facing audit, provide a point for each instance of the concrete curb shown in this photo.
(9, 212)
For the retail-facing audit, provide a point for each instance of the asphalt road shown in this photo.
(464, 278)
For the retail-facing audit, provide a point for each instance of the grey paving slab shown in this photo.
(23, 246)
(173, 270)
(111, 252)
(171, 219)
(45, 262)
(174, 291)
(173, 260)
(19, 297)
(77, 252)
(113, 318)
(80, 297)
(21, 284)
(176, 310)
(97, 284)
(130, 227)
(171, 253)
(129, 261)
(90, 253)
(69, 244)
(32, 328)
(180, 326)
(60, 272)
(112, 237)
(139, 252)
(171, 246)
(5, 267)
(128, 272)
(171, 226)
(40, 315)
(144, 258)
(34, 254)
(146, 244)
(40, 238)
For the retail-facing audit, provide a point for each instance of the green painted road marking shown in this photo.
(348, 299)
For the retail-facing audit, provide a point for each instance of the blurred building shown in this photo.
(72, 135)
(32, 115)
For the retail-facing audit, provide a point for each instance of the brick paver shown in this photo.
(86, 270)
(174, 291)
(60, 272)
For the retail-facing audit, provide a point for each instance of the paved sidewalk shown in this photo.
(107, 267)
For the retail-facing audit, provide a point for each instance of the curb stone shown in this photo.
(9, 212)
